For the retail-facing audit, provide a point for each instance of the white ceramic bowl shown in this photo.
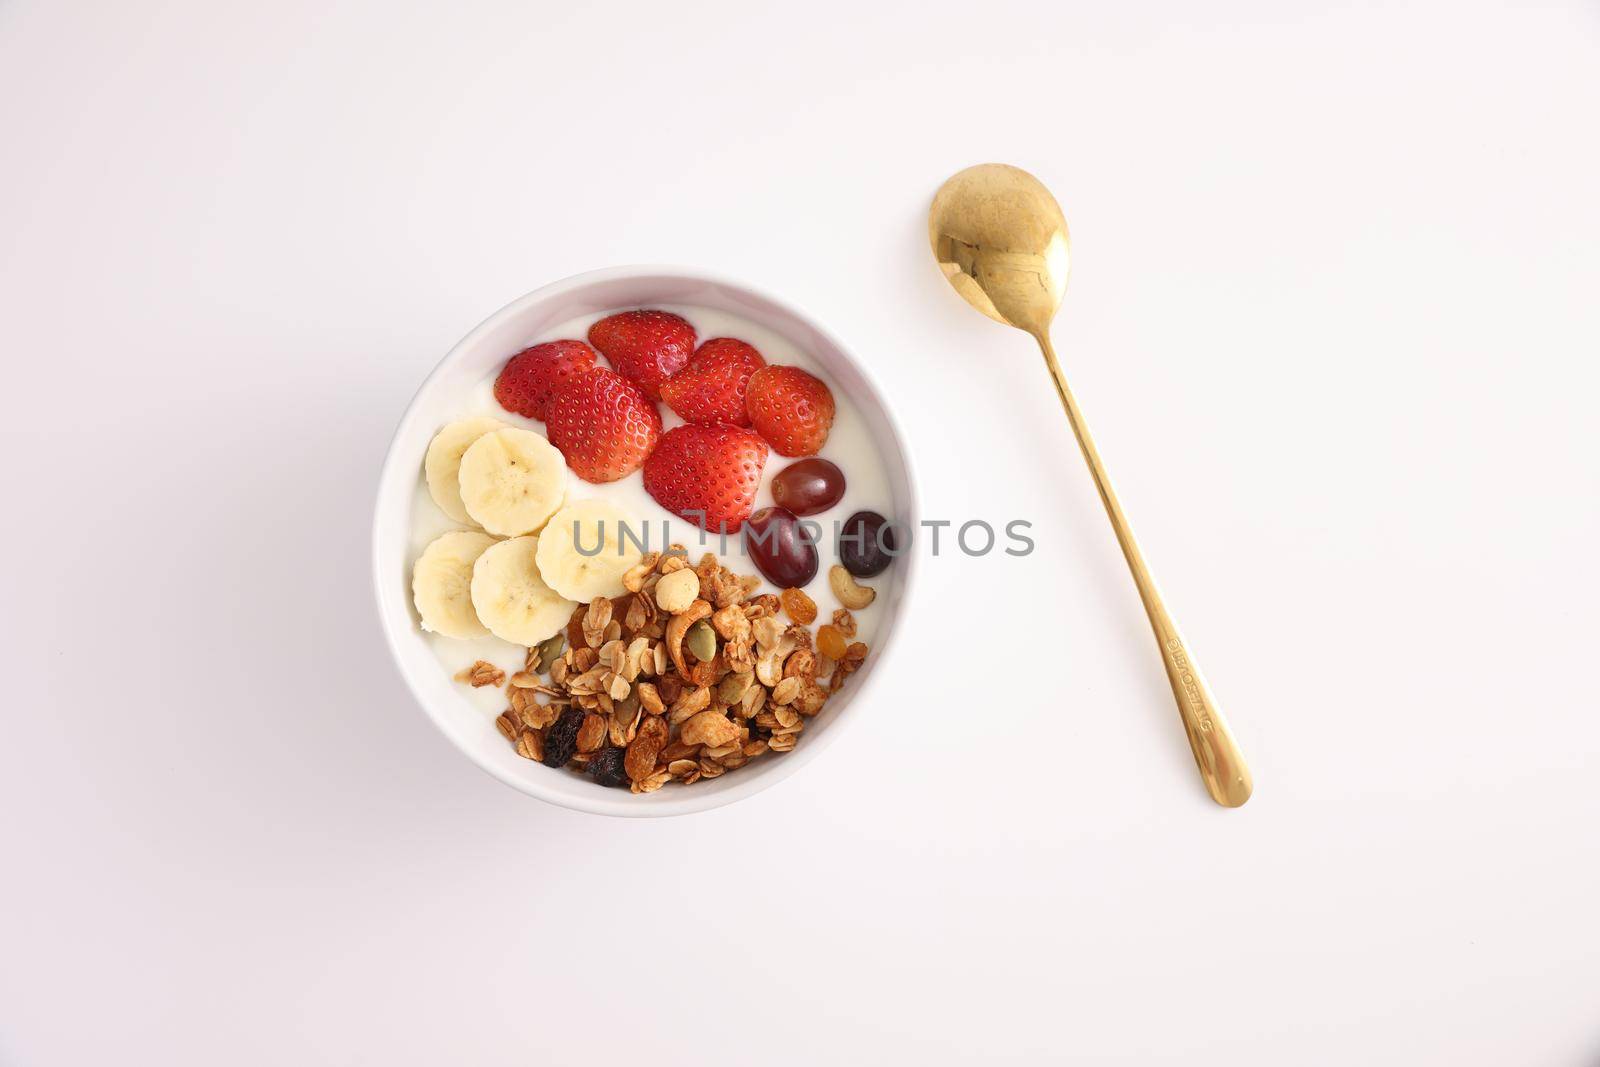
(474, 359)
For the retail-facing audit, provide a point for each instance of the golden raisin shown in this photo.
(801, 608)
(831, 642)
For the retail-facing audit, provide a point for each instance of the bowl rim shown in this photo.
(604, 802)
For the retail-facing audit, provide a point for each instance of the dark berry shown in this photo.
(561, 740)
(606, 766)
(867, 544)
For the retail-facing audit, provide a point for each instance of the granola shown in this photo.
(480, 674)
(683, 678)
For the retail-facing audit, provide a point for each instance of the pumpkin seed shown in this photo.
(702, 641)
(731, 689)
(550, 650)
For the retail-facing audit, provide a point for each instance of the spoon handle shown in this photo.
(1221, 764)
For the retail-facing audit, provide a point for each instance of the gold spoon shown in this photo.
(1000, 238)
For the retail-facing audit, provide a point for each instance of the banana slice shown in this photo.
(582, 552)
(443, 463)
(511, 598)
(441, 584)
(512, 481)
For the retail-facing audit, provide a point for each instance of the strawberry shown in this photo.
(711, 388)
(647, 347)
(528, 381)
(603, 424)
(707, 474)
(792, 409)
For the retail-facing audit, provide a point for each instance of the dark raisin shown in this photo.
(606, 766)
(561, 740)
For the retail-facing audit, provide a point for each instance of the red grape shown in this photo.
(808, 487)
(780, 548)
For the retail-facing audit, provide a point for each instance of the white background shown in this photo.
(1333, 315)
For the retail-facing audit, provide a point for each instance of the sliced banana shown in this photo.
(512, 481)
(443, 462)
(582, 552)
(510, 597)
(441, 584)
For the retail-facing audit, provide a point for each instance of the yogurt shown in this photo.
(849, 446)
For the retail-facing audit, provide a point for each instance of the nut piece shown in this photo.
(802, 664)
(767, 632)
(850, 593)
(676, 591)
(812, 697)
(633, 580)
(709, 728)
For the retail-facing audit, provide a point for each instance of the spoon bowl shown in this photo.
(1002, 241)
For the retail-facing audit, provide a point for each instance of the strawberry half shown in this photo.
(603, 424)
(711, 388)
(531, 378)
(707, 474)
(793, 410)
(646, 346)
